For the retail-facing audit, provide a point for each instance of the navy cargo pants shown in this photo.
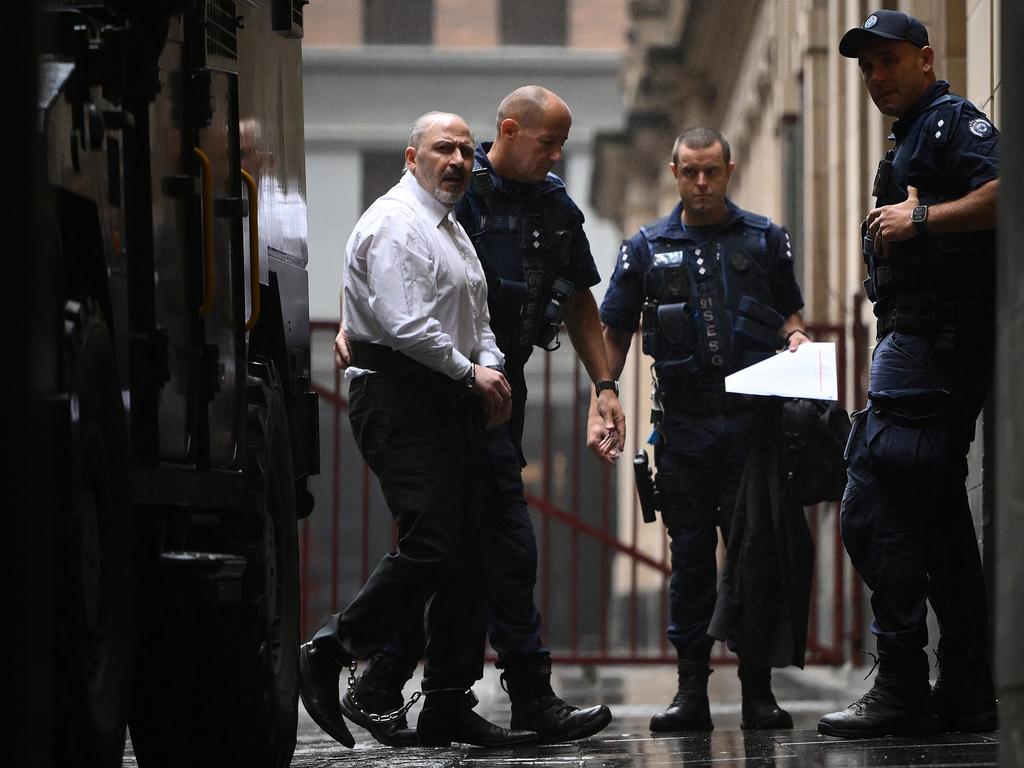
(700, 459)
(906, 522)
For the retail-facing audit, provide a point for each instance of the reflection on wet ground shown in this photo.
(615, 748)
(635, 695)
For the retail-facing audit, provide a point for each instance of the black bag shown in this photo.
(814, 435)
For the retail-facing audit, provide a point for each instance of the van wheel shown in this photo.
(95, 624)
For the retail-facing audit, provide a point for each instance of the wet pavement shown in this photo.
(634, 695)
(635, 747)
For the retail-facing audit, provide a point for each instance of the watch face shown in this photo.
(919, 214)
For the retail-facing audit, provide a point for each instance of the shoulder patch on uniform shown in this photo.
(980, 127)
(755, 220)
(943, 123)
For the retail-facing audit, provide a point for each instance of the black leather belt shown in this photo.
(919, 314)
(381, 359)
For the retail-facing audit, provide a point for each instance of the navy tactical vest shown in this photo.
(708, 305)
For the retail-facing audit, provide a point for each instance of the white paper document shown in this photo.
(808, 372)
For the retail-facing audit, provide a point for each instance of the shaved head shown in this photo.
(527, 105)
(533, 124)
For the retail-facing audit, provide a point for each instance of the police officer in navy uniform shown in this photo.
(529, 237)
(715, 289)
(929, 246)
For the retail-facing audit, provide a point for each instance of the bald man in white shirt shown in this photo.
(425, 377)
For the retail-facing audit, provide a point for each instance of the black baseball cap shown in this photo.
(885, 25)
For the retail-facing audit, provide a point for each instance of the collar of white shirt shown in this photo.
(434, 211)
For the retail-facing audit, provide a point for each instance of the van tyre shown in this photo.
(95, 573)
(219, 665)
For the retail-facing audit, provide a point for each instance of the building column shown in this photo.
(1009, 393)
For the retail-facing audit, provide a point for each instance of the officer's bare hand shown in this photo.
(606, 427)
(796, 339)
(496, 394)
(891, 223)
(602, 441)
(342, 353)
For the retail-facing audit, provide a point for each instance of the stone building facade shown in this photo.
(805, 137)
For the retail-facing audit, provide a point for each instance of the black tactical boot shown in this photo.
(378, 691)
(535, 707)
(760, 710)
(319, 670)
(689, 710)
(965, 698)
(898, 704)
(448, 716)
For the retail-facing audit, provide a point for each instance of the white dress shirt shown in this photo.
(413, 282)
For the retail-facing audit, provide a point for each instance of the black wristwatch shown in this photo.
(604, 384)
(919, 218)
(470, 378)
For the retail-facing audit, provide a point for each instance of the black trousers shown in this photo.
(422, 438)
(513, 621)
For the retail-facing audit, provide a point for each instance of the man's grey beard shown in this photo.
(447, 198)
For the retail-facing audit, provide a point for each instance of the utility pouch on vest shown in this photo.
(673, 323)
(671, 374)
(505, 301)
(758, 322)
(883, 173)
(649, 326)
(482, 182)
(867, 252)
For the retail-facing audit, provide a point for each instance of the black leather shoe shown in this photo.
(555, 721)
(448, 717)
(391, 733)
(318, 687)
(378, 691)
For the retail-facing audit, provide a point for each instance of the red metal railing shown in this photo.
(589, 618)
